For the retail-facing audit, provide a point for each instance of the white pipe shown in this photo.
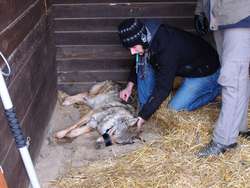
(7, 64)
(29, 167)
(7, 103)
(5, 94)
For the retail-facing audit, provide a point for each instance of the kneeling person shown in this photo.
(161, 53)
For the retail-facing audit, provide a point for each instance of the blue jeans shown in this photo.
(145, 85)
(192, 94)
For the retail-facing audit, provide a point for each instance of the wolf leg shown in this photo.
(74, 99)
(97, 88)
(78, 131)
(81, 122)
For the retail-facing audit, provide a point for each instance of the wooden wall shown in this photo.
(26, 41)
(87, 50)
(88, 47)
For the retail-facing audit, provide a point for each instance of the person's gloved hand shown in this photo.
(201, 24)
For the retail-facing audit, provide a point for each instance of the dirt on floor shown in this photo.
(56, 158)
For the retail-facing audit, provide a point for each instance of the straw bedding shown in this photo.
(170, 162)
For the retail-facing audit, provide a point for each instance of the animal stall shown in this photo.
(65, 55)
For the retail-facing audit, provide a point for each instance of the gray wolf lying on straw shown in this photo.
(109, 116)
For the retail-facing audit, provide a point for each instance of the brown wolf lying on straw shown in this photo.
(111, 118)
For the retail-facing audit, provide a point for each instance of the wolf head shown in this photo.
(124, 133)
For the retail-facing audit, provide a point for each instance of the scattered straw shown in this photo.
(170, 162)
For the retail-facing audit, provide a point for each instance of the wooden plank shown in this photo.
(21, 95)
(92, 76)
(111, 24)
(11, 9)
(87, 38)
(92, 52)
(37, 113)
(36, 120)
(113, 1)
(13, 36)
(93, 64)
(22, 92)
(14, 169)
(22, 87)
(34, 126)
(25, 49)
(74, 88)
(35, 123)
(169, 9)
(4, 135)
(18, 61)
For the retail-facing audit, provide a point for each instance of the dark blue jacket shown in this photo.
(175, 53)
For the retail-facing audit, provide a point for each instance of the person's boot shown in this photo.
(214, 148)
(245, 134)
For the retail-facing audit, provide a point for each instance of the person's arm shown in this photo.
(132, 80)
(163, 84)
(126, 93)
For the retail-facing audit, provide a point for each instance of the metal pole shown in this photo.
(21, 141)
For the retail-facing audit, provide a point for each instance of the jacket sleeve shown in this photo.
(132, 75)
(199, 8)
(164, 79)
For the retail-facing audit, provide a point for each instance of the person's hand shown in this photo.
(201, 24)
(125, 93)
(140, 124)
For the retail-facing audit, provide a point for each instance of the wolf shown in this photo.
(113, 119)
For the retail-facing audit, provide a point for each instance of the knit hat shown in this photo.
(132, 32)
